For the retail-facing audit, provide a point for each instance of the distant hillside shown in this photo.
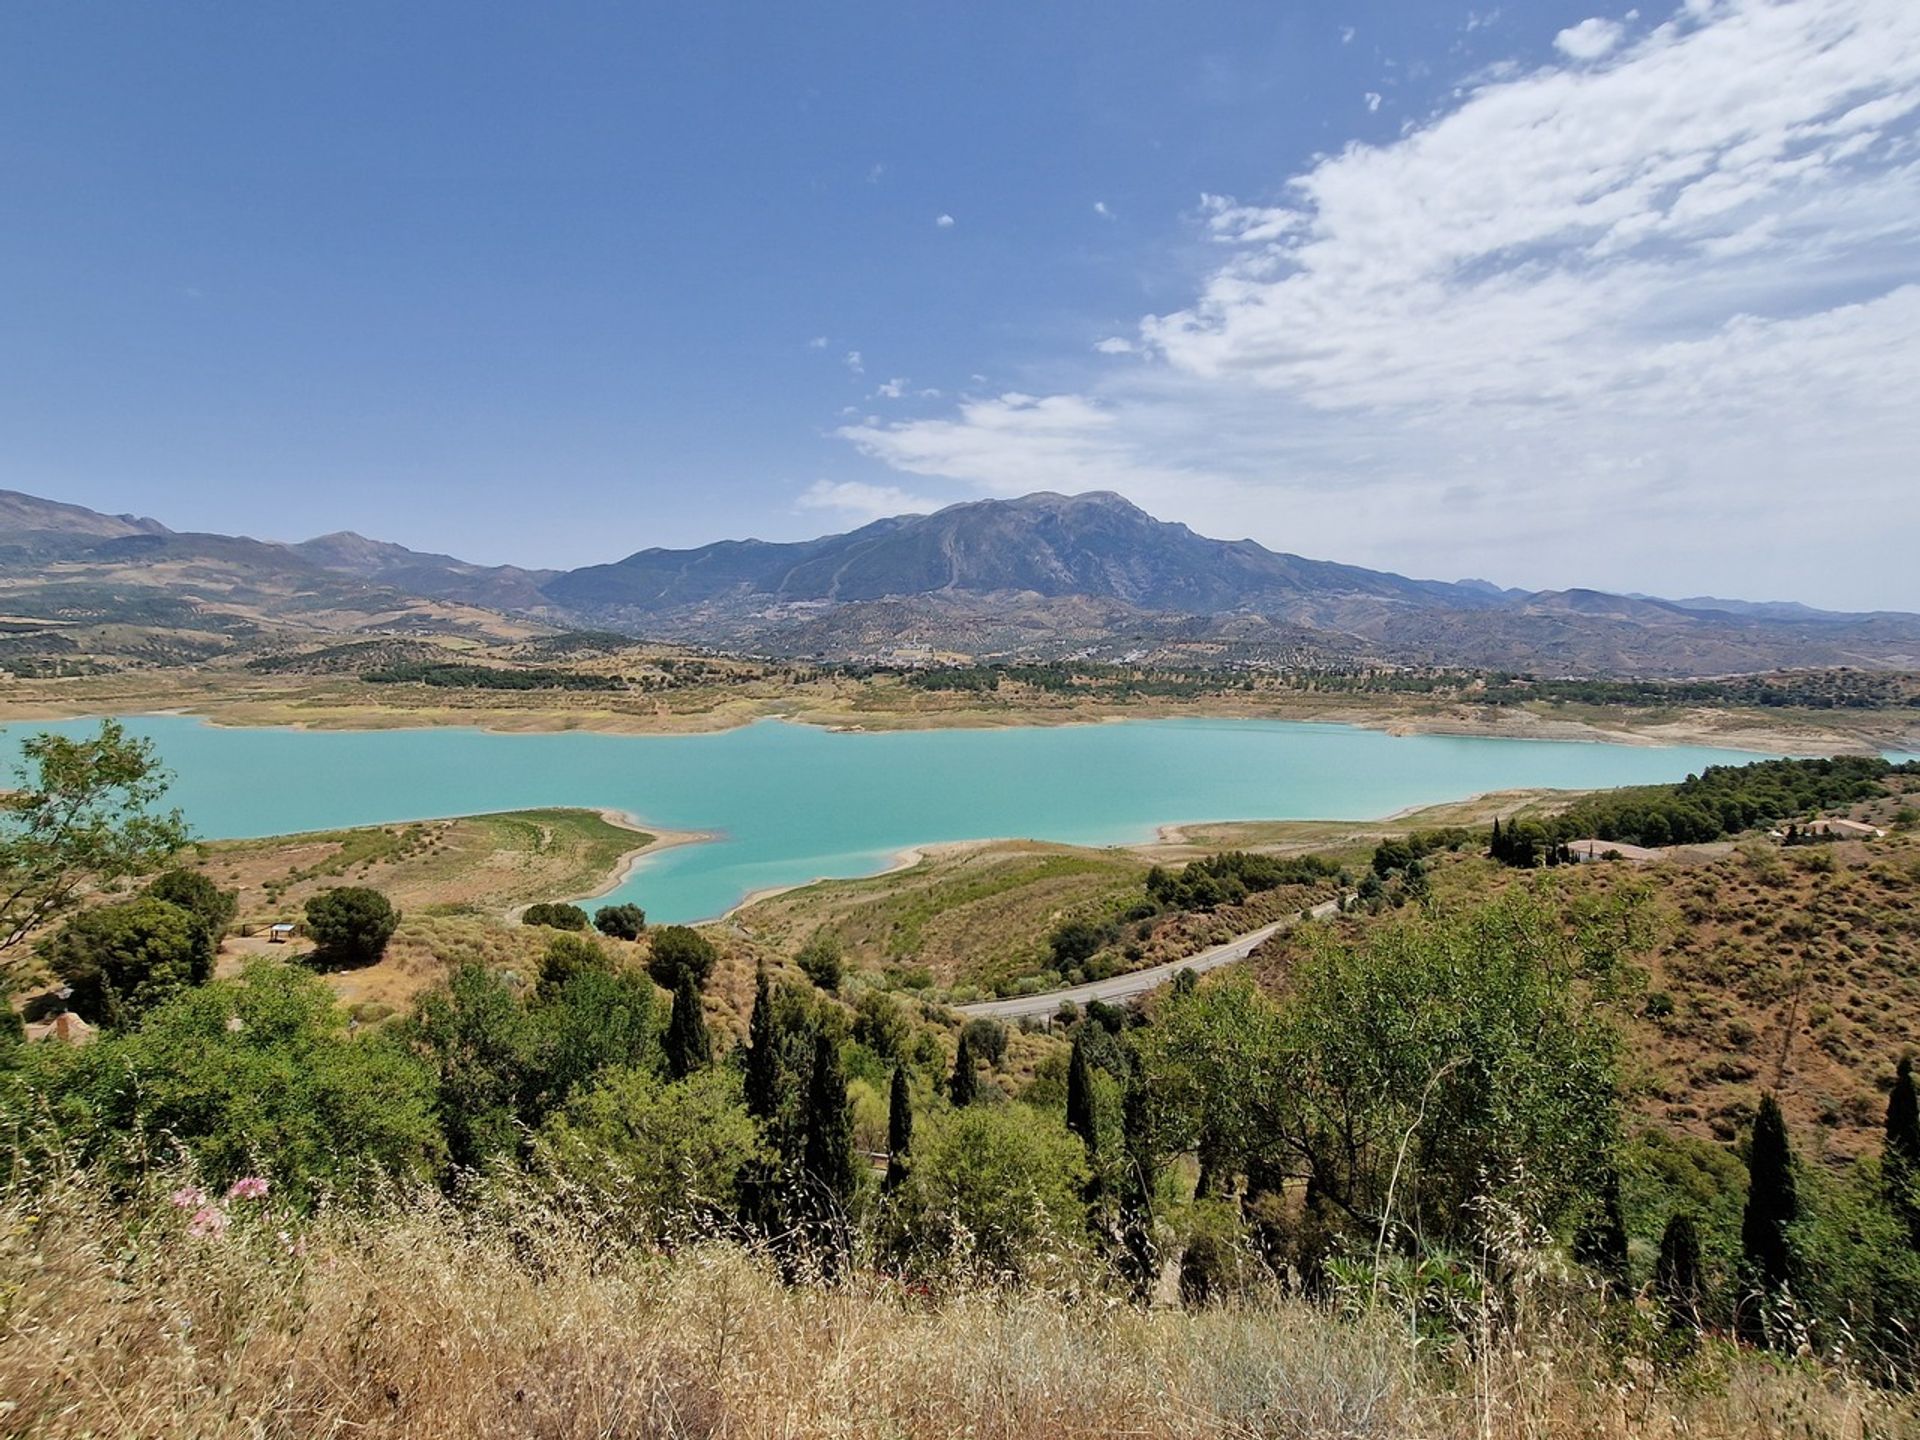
(1042, 576)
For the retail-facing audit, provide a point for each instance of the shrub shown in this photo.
(620, 922)
(350, 926)
(988, 1041)
(122, 960)
(554, 915)
(677, 948)
(569, 955)
(821, 960)
(246, 1076)
(1075, 941)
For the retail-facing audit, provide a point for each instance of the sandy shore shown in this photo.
(900, 860)
(662, 841)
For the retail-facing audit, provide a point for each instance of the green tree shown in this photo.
(620, 922)
(193, 891)
(1139, 1178)
(821, 961)
(827, 1171)
(600, 1018)
(688, 1047)
(79, 815)
(484, 1052)
(676, 948)
(995, 1189)
(1900, 1162)
(1441, 1053)
(1074, 942)
(1677, 1276)
(1773, 1205)
(964, 1088)
(350, 926)
(762, 1084)
(121, 960)
(1600, 1244)
(252, 1075)
(1082, 1118)
(554, 915)
(899, 1130)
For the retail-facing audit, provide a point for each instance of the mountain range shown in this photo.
(1087, 575)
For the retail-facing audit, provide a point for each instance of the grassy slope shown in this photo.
(1798, 969)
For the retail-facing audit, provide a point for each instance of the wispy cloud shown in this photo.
(945, 222)
(853, 362)
(860, 501)
(1101, 209)
(1645, 317)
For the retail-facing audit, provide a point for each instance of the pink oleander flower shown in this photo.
(248, 1187)
(189, 1197)
(209, 1223)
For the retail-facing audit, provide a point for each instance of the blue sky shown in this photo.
(1627, 298)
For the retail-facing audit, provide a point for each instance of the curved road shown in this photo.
(1137, 982)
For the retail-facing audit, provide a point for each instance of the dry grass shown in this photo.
(429, 1323)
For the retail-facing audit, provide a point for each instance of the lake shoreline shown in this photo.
(1720, 729)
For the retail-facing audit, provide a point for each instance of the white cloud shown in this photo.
(818, 342)
(892, 389)
(945, 222)
(1590, 39)
(1372, 98)
(1115, 345)
(854, 363)
(1100, 209)
(861, 501)
(1346, 34)
(1562, 332)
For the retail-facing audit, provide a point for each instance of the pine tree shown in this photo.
(965, 1085)
(1495, 849)
(899, 1131)
(1900, 1162)
(688, 1046)
(1676, 1277)
(829, 1177)
(1772, 1205)
(1601, 1242)
(1080, 1114)
(762, 1089)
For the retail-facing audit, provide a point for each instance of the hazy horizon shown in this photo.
(1622, 299)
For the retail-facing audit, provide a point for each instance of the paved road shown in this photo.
(1137, 982)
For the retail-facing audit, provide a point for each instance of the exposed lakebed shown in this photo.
(790, 803)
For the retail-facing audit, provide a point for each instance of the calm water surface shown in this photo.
(791, 803)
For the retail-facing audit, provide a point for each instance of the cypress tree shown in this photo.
(899, 1131)
(688, 1046)
(965, 1086)
(1772, 1205)
(762, 1088)
(1601, 1242)
(1900, 1162)
(1080, 1113)
(1139, 1254)
(1676, 1277)
(1495, 849)
(827, 1157)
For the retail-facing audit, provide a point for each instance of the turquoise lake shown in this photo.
(792, 803)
